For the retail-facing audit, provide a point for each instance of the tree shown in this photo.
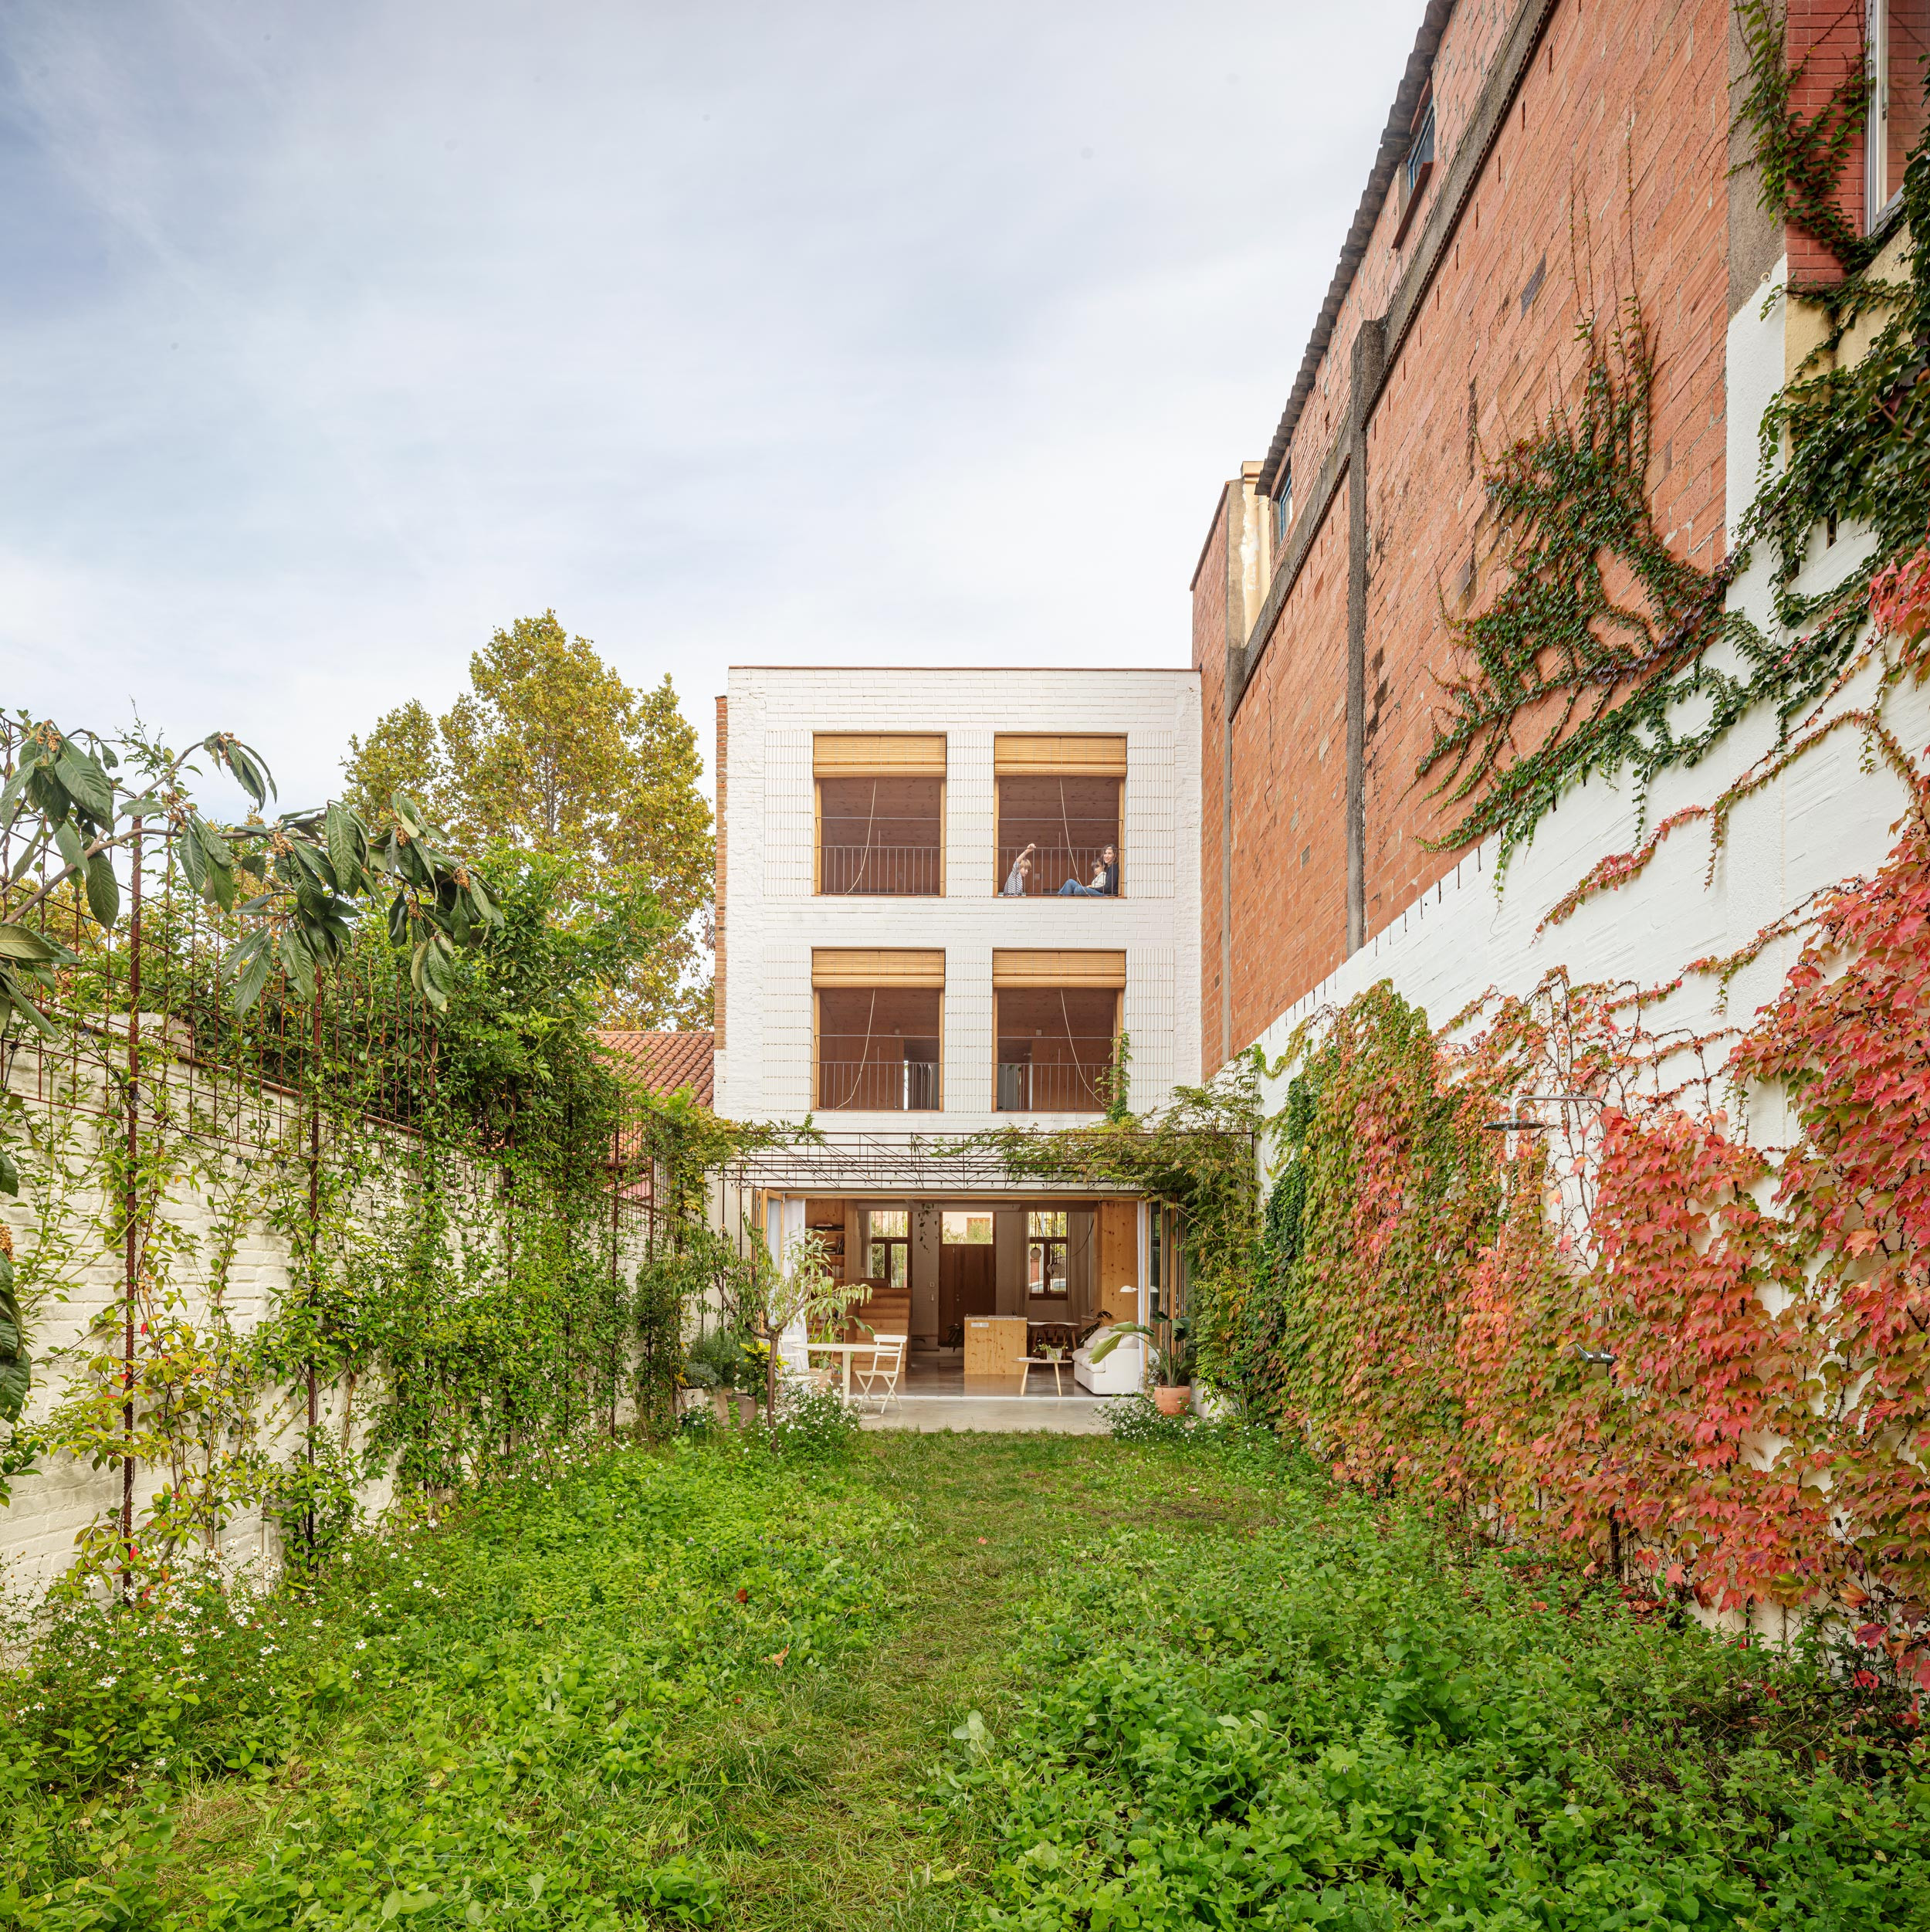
(402, 754)
(74, 804)
(550, 750)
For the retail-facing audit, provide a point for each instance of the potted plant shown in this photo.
(1172, 1362)
(716, 1362)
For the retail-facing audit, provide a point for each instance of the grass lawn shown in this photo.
(1030, 1682)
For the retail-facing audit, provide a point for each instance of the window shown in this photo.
(1420, 163)
(1055, 1049)
(1282, 508)
(961, 1230)
(891, 1247)
(1055, 1015)
(1045, 1252)
(1417, 166)
(1058, 829)
(881, 814)
(879, 1022)
(1898, 34)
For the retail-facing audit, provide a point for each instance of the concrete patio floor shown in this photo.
(936, 1395)
(1002, 1414)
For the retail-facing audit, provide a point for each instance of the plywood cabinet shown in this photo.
(994, 1344)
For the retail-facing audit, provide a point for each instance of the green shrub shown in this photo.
(1347, 1720)
(814, 1424)
(482, 1720)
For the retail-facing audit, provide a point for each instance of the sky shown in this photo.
(333, 337)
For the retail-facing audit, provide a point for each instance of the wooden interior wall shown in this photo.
(1119, 1258)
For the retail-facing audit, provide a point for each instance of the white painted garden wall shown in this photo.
(59, 1237)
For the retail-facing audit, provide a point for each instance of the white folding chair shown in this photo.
(876, 1372)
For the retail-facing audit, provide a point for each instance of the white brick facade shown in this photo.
(772, 920)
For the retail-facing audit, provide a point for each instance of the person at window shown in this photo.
(1014, 886)
(1104, 883)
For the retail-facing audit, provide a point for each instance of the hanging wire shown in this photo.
(871, 819)
(858, 1072)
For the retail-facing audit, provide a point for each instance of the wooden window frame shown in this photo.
(816, 1063)
(817, 841)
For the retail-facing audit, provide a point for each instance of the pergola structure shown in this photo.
(860, 1162)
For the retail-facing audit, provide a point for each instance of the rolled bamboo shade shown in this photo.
(877, 754)
(877, 966)
(1081, 755)
(1059, 967)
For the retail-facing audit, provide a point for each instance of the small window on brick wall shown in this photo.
(1282, 507)
(1417, 168)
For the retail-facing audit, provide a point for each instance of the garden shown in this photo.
(820, 1679)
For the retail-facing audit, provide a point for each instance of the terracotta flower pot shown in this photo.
(720, 1406)
(746, 1408)
(1172, 1402)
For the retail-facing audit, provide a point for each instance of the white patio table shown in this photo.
(847, 1350)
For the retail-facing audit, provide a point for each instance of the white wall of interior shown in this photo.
(773, 919)
(1827, 818)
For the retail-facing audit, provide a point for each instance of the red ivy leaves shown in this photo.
(1597, 1330)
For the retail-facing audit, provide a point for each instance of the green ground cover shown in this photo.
(1025, 1682)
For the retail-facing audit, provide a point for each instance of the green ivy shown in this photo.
(1560, 678)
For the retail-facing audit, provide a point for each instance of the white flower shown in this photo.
(362, 1643)
(108, 1683)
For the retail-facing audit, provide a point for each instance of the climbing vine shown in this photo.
(1534, 1266)
(1801, 162)
(1597, 654)
(1599, 631)
(1198, 1154)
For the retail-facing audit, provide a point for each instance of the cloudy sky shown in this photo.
(333, 337)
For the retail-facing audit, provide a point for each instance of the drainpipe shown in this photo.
(1370, 352)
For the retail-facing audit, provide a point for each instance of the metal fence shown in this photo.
(1052, 867)
(1079, 1086)
(904, 871)
(878, 1086)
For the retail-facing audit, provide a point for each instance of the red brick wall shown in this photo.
(1831, 33)
(1621, 122)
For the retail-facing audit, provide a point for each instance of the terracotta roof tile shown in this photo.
(667, 1061)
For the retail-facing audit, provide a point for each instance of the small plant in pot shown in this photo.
(1172, 1361)
(716, 1362)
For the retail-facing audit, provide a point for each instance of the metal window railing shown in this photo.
(905, 871)
(1053, 865)
(1057, 1086)
(878, 1086)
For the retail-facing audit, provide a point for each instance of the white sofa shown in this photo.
(1122, 1373)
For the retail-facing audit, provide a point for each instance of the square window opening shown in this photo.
(1055, 1049)
(1059, 834)
(881, 836)
(879, 1048)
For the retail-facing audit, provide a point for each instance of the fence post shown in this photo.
(132, 1284)
(314, 1245)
